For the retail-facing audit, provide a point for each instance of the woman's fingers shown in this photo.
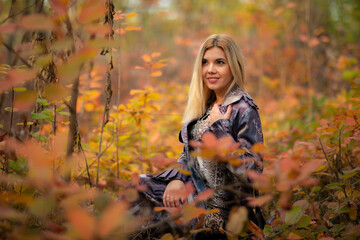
(228, 112)
(171, 201)
(215, 113)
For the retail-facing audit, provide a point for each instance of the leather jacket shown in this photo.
(243, 126)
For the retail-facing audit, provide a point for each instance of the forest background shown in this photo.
(92, 94)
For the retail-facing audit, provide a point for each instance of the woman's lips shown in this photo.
(212, 80)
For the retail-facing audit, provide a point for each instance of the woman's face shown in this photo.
(216, 72)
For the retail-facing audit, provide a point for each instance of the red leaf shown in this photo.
(91, 11)
(16, 76)
(8, 28)
(260, 201)
(60, 6)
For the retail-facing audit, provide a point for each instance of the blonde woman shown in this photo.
(218, 104)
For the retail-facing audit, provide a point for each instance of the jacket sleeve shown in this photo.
(173, 173)
(245, 129)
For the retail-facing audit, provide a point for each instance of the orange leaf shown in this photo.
(205, 195)
(120, 31)
(97, 29)
(110, 218)
(294, 236)
(156, 74)
(146, 58)
(91, 11)
(83, 222)
(256, 230)
(155, 54)
(37, 22)
(135, 179)
(133, 28)
(140, 68)
(258, 147)
(313, 42)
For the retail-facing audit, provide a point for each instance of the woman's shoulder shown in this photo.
(240, 99)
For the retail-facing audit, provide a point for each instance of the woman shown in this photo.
(217, 104)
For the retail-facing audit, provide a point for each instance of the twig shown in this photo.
(92, 163)
(15, 14)
(158, 224)
(327, 159)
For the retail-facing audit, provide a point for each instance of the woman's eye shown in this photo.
(204, 62)
(221, 62)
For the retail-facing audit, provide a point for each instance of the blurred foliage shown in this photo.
(58, 56)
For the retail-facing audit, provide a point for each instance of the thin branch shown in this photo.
(327, 159)
(18, 13)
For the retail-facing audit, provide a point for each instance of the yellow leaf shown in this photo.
(167, 236)
(131, 15)
(237, 220)
(156, 74)
(183, 171)
(158, 65)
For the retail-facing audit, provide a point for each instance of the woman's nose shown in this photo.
(211, 68)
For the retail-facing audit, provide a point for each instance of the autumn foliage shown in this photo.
(92, 95)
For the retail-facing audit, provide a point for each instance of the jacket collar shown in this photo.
(234, 95)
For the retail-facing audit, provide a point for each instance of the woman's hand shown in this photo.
(215, 113)
(172, 200)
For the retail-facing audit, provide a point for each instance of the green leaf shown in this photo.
(293, 215)
(304, 221)
(38, 116)
(316, 188)
(60, 108)
(64, 113)
(10, 109)
(343, 210)
(39, 137)
(335, 186)
(337, 228)
(268, 230)
(43, 101)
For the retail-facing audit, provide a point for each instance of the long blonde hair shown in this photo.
(199, 94)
